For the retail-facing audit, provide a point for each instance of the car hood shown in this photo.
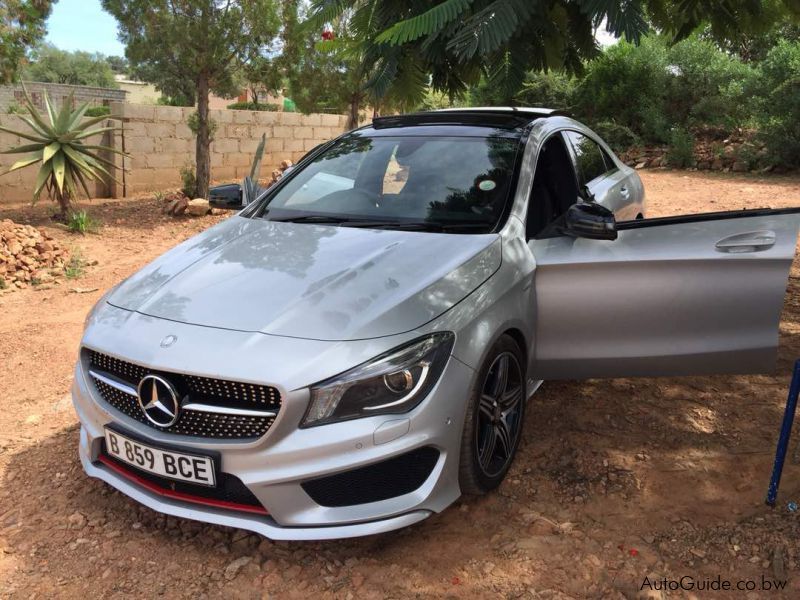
(311, 281)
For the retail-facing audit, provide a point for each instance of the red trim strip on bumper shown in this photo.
(152, 487)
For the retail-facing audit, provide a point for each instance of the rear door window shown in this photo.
(591, 160)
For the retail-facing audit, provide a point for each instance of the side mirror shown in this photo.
(590, 220)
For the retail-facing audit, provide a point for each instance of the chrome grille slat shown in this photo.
(213, 408)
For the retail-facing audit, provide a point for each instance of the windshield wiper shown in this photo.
(313, 219)
(418, 225)
(367, 224)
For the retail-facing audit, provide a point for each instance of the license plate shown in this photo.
(180, 466)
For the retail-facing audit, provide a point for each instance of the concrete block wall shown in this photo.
(11, 94)
(160, 143)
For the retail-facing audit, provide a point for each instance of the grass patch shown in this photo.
(3, 284)
(76, 266)
(81, 222)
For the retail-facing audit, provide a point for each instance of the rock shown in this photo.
(717, 164)
(76, 521)
(27, 255)
(177, 206)
(739, 166)
(198, 207)
(641, 165)
(232, 570)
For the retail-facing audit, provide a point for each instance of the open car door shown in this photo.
(686, 295)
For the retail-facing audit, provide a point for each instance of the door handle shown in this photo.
(752, 241)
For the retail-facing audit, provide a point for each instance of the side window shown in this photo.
(592, 161)
(555, 187)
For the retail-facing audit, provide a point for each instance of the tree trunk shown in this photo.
(65, 204)
(352, 117)
(203, 143)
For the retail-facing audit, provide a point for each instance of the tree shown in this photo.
(22, 25)
(457, 41)
(52, 65)
(270, 68)
(118, 64)
(194, 47)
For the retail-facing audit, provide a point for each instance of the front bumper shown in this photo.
(274, 466)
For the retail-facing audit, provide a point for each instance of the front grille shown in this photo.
(389, 478)
(224, 401)
(229, 489)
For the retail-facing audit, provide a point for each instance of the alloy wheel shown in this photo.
(499, 412)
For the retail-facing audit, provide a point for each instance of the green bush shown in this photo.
(81, 222)
(189, 182)
(627, 84)
(707, 86)
(551, 90)
(617, 136)
(680, 150)
(98, 111)
(253, 106)
(778, 114)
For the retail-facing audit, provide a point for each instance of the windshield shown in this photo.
(429, 182)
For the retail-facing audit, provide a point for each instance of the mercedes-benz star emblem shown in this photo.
(159, 401)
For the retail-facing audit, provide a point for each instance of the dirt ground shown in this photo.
(615, 480)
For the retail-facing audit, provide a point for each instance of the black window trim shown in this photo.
(616, 168)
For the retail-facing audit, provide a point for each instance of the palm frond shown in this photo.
(425, 24)
(324, 11)
(21, 164)
(622, 18)
(490, 28)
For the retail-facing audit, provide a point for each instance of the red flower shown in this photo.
(633, 552)
(327, 35)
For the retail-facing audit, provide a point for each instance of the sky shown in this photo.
(83, 25)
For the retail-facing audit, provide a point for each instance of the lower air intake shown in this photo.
(380, 481)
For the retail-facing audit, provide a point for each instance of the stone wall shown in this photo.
(160, 144)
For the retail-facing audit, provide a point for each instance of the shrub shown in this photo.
(15, 109)
(627, 84)
(98, 111)
(65, 160)
(193, 122)
(551, 90)
(707, 86)
(617, 136)
(76, 266)
(253, 106)
(680, 151)
(189, 181)
(81, 222)
(779, 108)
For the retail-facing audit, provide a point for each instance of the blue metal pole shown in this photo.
(783, 440)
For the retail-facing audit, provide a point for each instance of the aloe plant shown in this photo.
(59, 147)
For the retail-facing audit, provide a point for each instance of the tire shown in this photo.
(493, 415)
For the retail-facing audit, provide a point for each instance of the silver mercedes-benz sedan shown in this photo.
(355, 349)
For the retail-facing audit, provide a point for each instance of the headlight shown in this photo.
(394, 382)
